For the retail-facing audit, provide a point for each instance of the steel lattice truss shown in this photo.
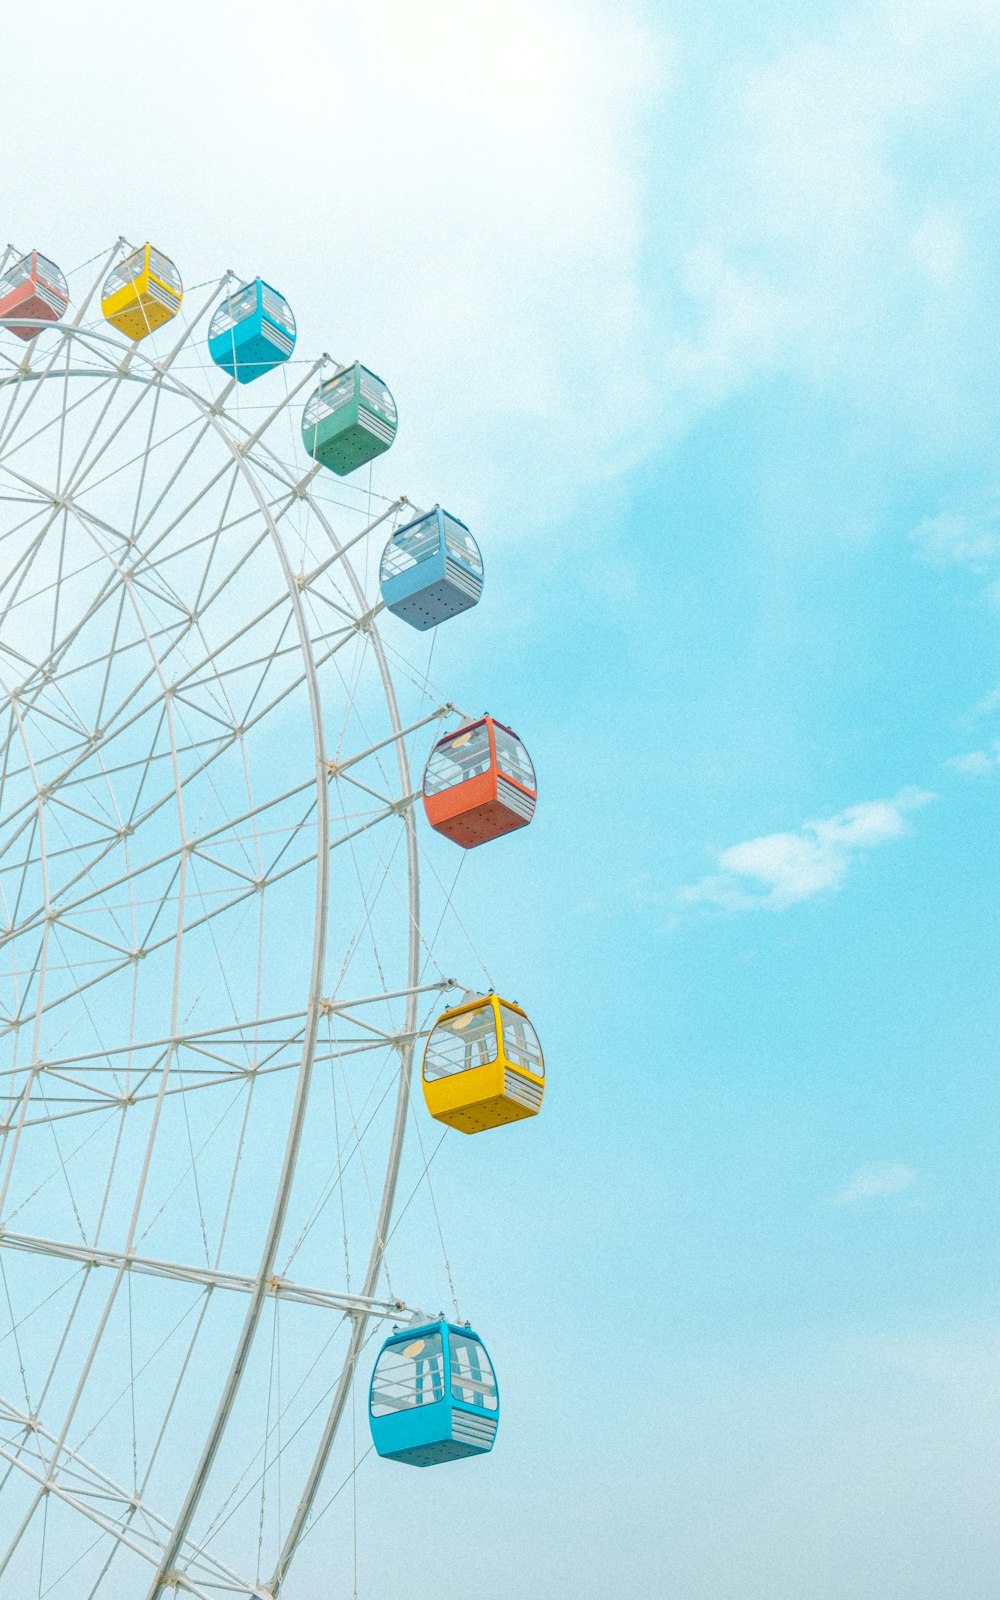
(213, 971)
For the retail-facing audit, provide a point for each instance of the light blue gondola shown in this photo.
(431, 570)
(251, 332)
(433, 1396)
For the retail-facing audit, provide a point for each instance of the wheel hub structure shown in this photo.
(213, 970)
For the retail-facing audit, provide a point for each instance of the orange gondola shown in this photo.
(479, 784)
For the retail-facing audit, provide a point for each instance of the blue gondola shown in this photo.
(431, 570)
(433, 1396)
(251, 332)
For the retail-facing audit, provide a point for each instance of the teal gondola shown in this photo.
(349, 420)
(431, 570)
(252, 332)
(433, 1396)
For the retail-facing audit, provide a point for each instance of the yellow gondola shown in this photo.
(142, 293)
(483, 1065)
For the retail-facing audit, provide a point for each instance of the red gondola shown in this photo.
(33, 288)
(479, 784)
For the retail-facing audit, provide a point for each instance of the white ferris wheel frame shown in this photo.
(179, 1563)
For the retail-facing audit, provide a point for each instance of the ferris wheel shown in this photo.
(215, 973)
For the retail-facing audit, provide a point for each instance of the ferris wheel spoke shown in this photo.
(91, 485)
(221, 716)
(79, 930)
(21, 371)
(351, 1150)
(70, 496)
(108, 661)
(178, 852)
(289, 688)
(344, 1008)
(85, 1489)
(74, 847)
(39, 1306)
(191, 324)
(106, 388)
(281, 1288)
(41, 1182)
(78, 1559)
(108, 823)
(114, 729)
(40, 507)
(364, 788)
(22, 567)
(93, 1099)
(228, 469)
(41, 673)
(342, 549)
(35, 388)
(89, 456)
(264, 1033)
(247, 444)
(262, 665)
(49, 717)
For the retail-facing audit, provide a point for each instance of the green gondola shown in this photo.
(349, 420)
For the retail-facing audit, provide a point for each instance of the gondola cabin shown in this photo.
(252, 332)
(483, 1066)
(433, 1396)
(349, 420)
(142, 293)
(431, 570)
(33, 289)
(479, 784)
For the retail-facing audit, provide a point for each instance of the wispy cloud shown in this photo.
(964, 537)
(977, 763)
(778, 870)
(555, 279)
(875, 1183)
(816, 229)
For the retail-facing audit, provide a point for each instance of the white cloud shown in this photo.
(967, 537)
(453, 193)
(562, 231)
(988, 704)
(977, 763)
(515, 216)
(779, 870)
(875, 1183)
(820, 246)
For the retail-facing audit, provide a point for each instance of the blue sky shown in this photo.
(691, 313)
